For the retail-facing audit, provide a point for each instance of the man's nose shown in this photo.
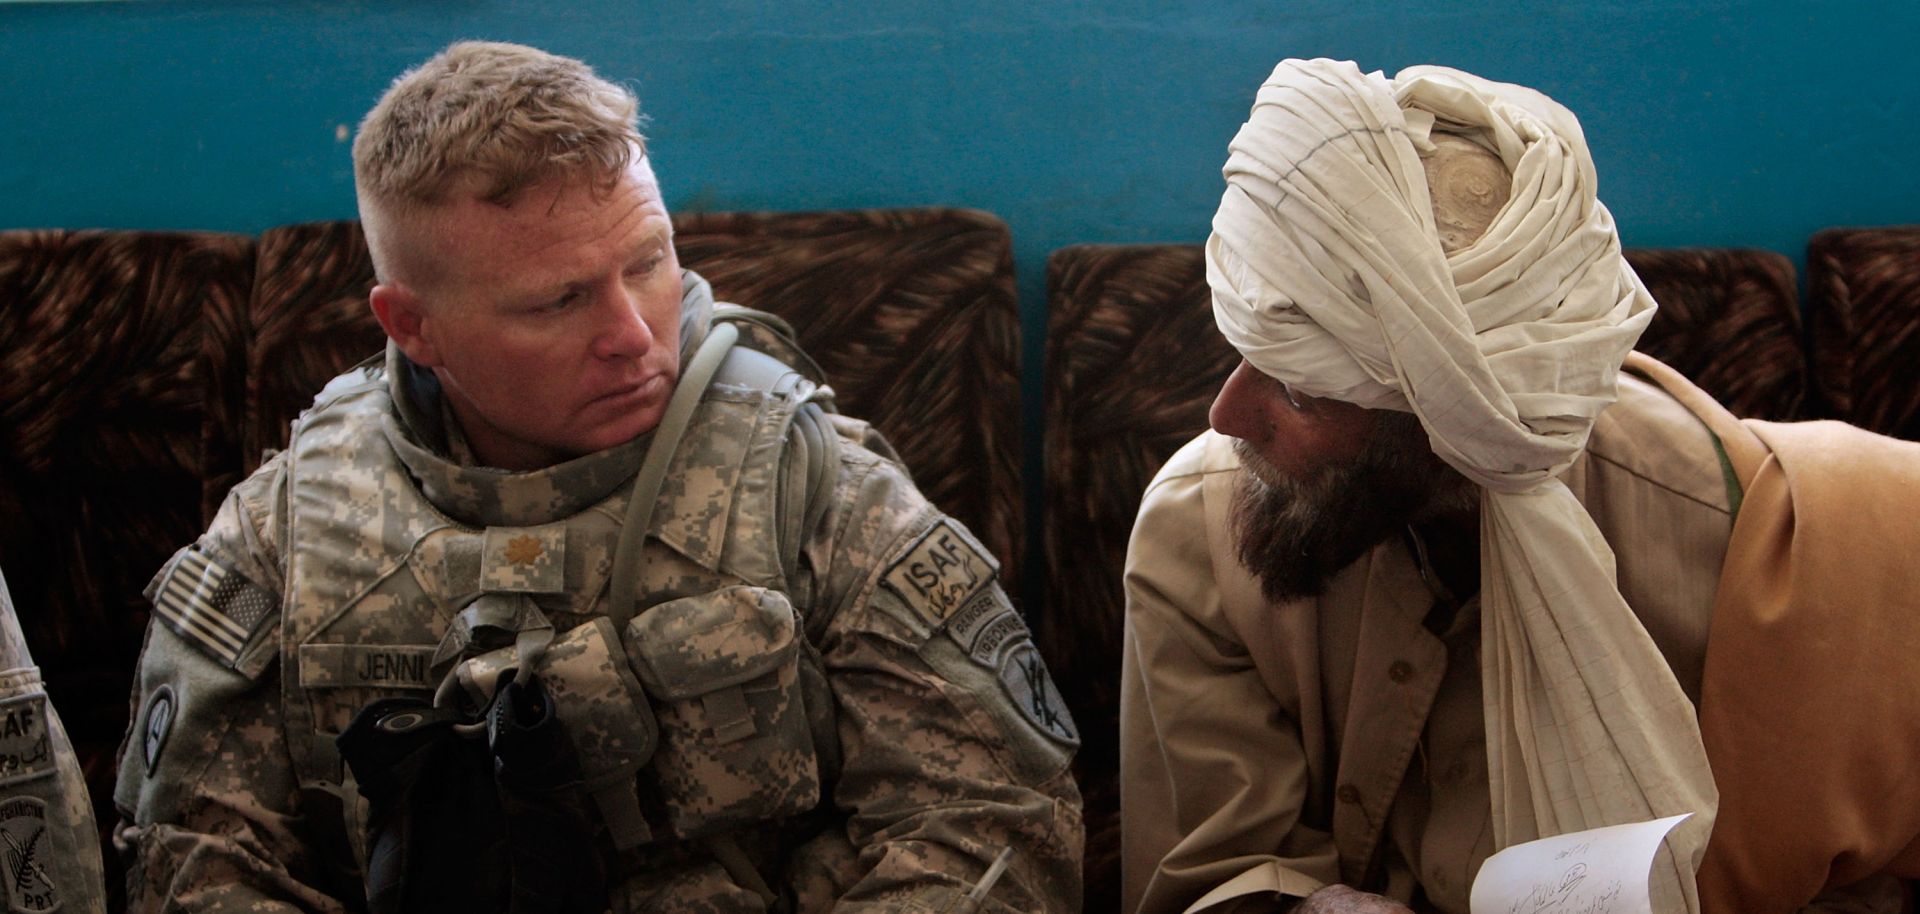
(622, 330)
(1235, 411)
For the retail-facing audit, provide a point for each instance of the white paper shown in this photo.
(1597, 871)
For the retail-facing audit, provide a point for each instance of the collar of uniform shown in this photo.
(423, 434)
(489, 497)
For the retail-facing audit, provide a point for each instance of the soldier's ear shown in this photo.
(402, 314)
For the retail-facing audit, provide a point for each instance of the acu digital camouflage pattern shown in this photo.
(49, 850)
(803, 732)
(724, 668)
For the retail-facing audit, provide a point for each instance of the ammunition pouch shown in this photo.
(736, 745)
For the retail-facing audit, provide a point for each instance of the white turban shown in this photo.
(1328, 274)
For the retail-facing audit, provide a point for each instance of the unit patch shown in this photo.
(24, 848)
(26, 751)
(985, 626)
(205, 603)
(1024, 676)
(940, 572)
(157, 722)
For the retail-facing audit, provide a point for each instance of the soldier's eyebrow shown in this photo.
(653, 240)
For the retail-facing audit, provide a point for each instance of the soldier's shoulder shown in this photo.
(221, 594)
(219, 606)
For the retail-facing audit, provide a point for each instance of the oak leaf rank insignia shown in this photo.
(522, 550)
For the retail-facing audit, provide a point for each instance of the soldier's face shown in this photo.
(552, 322)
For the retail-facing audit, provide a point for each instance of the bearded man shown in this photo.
(1442, 577)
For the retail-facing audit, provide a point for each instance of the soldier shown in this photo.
(48, 841)
(786, 680)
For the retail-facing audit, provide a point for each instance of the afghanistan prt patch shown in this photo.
(25, 851)
(26, 749)
(209, 605)
(940, 572)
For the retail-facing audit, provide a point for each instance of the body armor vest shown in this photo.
(707, 712)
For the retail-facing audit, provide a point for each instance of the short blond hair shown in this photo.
(495, 118)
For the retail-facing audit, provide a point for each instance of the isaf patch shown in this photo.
(26, 749)
(209, 605)
(24, 849)
(941, 572)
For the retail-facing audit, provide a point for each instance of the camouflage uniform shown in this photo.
(822, 697)
(49, 844)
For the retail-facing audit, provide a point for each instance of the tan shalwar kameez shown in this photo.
(1340, 737)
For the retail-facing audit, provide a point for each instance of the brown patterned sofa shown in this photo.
(1133, 361)
(146, 372)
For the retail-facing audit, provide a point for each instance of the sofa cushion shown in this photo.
(1133, 363)
(310, 321)
(910, 313)
(1730, 320)
(118, 431)
(1864, 288)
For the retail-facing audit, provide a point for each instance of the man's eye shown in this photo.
(646, 266)
(1292, 400)
(559, 304)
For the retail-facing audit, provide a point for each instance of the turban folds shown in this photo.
(1328, 273)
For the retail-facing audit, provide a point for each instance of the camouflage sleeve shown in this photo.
(208, 804)
(954, 741)
(47, 834)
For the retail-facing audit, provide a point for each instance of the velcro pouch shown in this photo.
(735, 744)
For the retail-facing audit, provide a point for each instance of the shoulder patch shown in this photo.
(26, 751)
(156, 725)
(942, 570)
(210, 605)
(987, 627)
(27, 851)
(1024, 675)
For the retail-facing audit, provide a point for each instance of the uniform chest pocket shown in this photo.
(340, 679)
(735, 744)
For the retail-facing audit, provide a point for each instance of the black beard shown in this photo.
(1295, 534)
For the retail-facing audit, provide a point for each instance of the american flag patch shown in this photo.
(203, 602)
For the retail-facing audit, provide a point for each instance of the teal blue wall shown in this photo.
(1713, 123)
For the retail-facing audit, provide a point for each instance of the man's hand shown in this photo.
(1340, 899)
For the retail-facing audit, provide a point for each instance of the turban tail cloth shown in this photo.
(1328, 273)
